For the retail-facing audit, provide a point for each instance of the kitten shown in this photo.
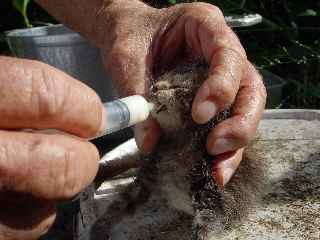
(175, 195)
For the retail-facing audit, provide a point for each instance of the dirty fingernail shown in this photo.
(222, 145)
(140, 132)
(204, 112)
(227, 175)
(218, 178)
(222, 176)
(147, 135)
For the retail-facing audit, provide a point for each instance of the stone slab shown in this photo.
(291, 205)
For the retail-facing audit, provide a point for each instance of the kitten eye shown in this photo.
(153, 89)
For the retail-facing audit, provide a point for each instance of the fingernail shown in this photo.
(148, 143)
(222, 176)
(222, 145)
(204, 112)
(147, 135)
(140, 132)
(218, 178)
(227, 175)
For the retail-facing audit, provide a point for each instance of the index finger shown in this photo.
(38, 96)
(238, 130)
(209, 36)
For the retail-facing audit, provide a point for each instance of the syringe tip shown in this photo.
(151, 106)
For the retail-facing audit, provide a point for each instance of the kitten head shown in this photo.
(173, 94)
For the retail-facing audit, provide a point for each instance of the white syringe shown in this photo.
(125, 112)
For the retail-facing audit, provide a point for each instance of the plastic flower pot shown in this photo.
(274, 85)
(64, 49)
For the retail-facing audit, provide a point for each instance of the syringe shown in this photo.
(125, 112)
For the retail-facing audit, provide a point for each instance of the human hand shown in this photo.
(147, 41)
(38, 169)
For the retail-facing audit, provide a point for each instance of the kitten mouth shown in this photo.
(162, 92)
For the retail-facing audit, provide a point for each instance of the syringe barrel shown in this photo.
(117, 116)
(125, 112)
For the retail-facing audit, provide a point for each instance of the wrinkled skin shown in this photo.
(174, 195)
(137, 42)
(183, 33)
(38, 169)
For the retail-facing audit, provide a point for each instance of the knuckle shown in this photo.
(258, 84)
(36, 149)
(221, 36)
(19, 162)
(222, 89)
(57, 164)
(238, 54)
(44, 97)
(207, 8)
(54, 160)
(70, 185)
(225, 39)
(231, 58)
(228, 40)
(243, 132)
(226, 94)
(214, 24)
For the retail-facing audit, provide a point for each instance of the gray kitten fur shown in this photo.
(174, 195)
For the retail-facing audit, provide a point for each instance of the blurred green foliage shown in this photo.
(172, 1)
(286, 43)
(16, 14)
(21, 6)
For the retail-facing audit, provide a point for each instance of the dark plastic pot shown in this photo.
(64, 49)
(274, 85)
